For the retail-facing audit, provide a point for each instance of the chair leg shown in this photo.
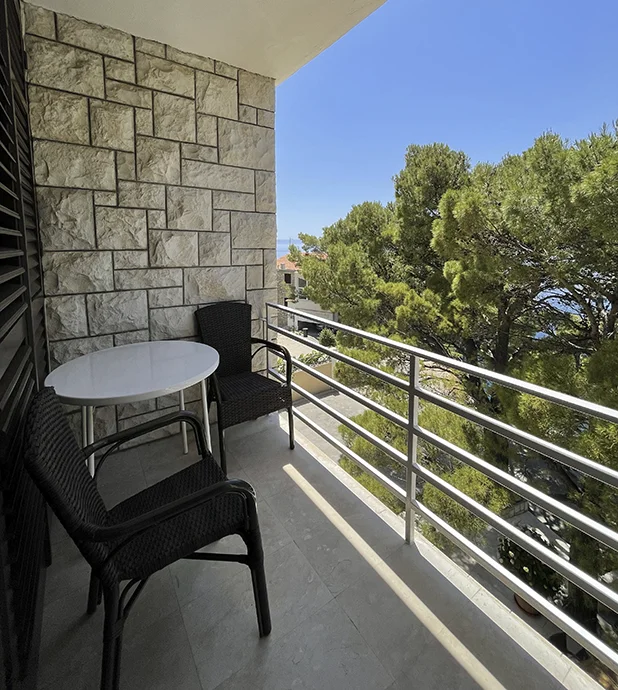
(222, 456)
(291, 426)
(253, 540)
(112, 636)
(94, 593)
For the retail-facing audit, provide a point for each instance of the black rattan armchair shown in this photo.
(168, 521)
(240, 394)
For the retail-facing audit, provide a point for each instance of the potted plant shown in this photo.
(528, 568)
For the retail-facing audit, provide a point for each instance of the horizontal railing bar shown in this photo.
(578, 577)
(363, 400)
(387, 483)
(575, 518)
(570, 401)
(556, 615)
(397, 455)
(561, 455)
(346, 359)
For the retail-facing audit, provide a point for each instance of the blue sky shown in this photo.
(485, 76)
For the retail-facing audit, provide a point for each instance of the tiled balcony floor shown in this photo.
(353, 607)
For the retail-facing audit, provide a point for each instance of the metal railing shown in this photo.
(409, 461)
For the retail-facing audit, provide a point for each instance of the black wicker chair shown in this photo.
(240, 394)
(168, 521)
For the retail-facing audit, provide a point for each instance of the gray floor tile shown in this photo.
(68, 571)
(192, 578)
(159, 658)
(222, 624)
(325, 651)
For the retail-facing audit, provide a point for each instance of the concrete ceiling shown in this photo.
(271, 37)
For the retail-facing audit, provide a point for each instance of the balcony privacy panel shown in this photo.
(23, 360)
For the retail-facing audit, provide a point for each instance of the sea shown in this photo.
(283, 245)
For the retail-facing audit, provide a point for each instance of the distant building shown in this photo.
(292, 281)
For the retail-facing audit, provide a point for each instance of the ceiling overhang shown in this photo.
(271, 37)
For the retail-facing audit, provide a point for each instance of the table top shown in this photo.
(131, 373)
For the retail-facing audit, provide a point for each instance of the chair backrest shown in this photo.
(226, 326)
(58, 467)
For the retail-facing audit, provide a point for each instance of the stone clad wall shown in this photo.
(155, 186)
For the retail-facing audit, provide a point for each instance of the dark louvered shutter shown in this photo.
(23, 364)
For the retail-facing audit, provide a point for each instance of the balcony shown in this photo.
(353, 605)
(360, 599)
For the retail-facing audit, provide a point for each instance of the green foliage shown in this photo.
(327, 338)
(372, 485)
(528, 568)
(509, 266)
(311, 359)
(476, 485)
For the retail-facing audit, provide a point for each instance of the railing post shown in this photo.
(412, 447)
(265, 335)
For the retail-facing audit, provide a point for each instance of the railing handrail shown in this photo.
(578, 404)
(599, 531)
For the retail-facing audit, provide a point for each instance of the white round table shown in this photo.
(131, 373)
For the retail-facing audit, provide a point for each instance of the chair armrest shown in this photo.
(131, 528)
(283, 351)
(121, 437)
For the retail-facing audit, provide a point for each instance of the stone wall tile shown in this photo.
(173, 248)
(131, 337)
(158, 160)
(101, 39)
(213, 176)
(247, 146)
(270, 273)
(133, 409)
(64, 67)
(59, 116)
(191, 60)
(214, 248)
(253, 230)
(105, 199)
(65, 317)
(143, 122)
(225, 70)
(143, 45)
(174, 117)
(233, 201)
(247, 113)
(113, 312)
(246, 257)
(119, 70)
(216, 95)
(125, 165)
(71, 165)
(128, 94)
(257, 299)
(163, 75)
(39, 21)
(221, 221)
(255, 90)
(66, 218)
(112, 125)
(141, 195)
(255, 277)
(165, 297)
(68, 350)
(206, 154)
(172, 322)
(206, 129)
(130, 259)
(203, 285)
(265, 192)
(77, 272)
(148, 278)
(157, 219)
(121, 228)
(189, 209)
(266, 118)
